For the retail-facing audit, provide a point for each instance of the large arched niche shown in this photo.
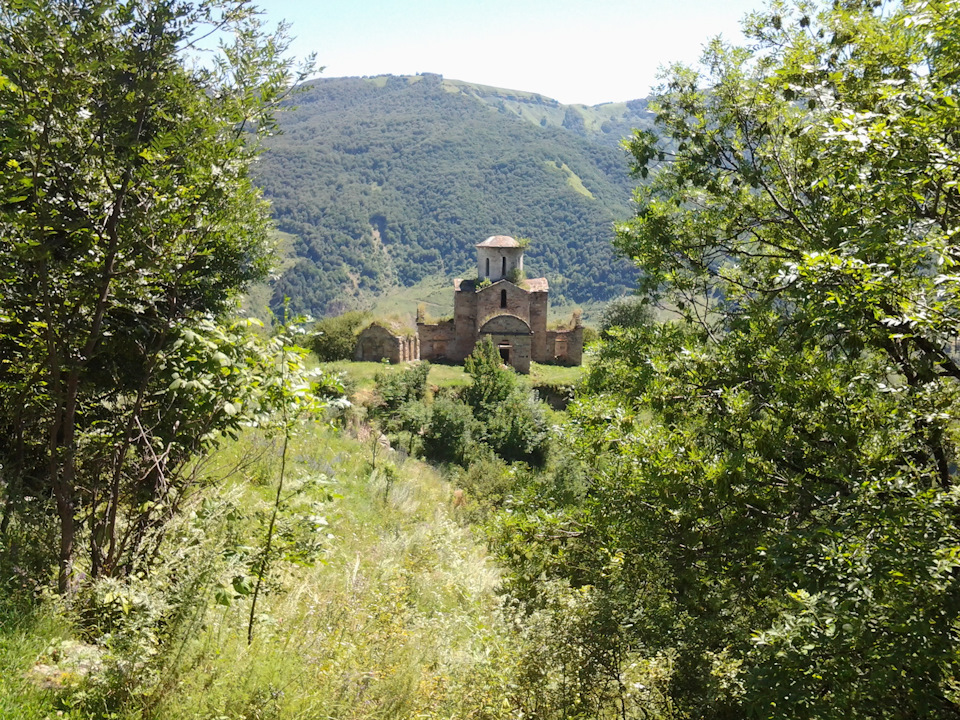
(512, 337)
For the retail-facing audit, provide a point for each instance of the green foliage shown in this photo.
(516, 276)
(294, 399)
(768, 525)
(492, 382)
(335, 338)
(129, 223)
(400, 403)
(399, 620)
(398, 388)
(487, 481)
(510, 420)
(625, 312)
(517, 430)
(449, 436)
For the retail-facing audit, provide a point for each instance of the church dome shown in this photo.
(499, 241)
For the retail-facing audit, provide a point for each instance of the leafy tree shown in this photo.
(509, 419)
(625, 312)
(128, 223)
(335, 338)
(517, 430)
(491, 382)
(400, 403)
(397, 388)
(449, 434)
(769, 528)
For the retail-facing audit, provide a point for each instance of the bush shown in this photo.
(449, 435)
(398, 388)
(486, 483)
(517, 430)
(492, 383)
(335, 338)
(625, 312)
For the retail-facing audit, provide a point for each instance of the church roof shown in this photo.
(499, 241)
(528, 284)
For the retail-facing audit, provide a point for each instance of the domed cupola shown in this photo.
(498, 256)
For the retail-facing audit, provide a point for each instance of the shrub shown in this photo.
(625, 312)
(397, 388)
(492, 383)
(335, 338)
(449, 435)
(517, 430)
(486, 483)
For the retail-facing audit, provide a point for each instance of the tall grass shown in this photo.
(397, 618)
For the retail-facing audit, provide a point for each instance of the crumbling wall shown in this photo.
(565, 347)
(376, 343)
(437, 340)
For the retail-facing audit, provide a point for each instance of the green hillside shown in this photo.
(606, 124)
(384, 181)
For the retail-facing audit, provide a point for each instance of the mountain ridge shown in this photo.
(382, 181)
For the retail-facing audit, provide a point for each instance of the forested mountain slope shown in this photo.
(383, 181)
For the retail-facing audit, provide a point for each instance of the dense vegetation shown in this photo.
(767, 525)
(749, 511)
(383, 181)
(129, 227)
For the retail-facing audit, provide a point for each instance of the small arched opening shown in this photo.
(503, 298)
(488, 268)
(503, 271)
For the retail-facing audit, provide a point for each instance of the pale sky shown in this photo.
(575, 51)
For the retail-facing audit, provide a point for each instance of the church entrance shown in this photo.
(504, 349)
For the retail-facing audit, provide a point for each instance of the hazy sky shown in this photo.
(576, 51)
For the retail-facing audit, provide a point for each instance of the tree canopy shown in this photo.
(770, 528)
(128, 226)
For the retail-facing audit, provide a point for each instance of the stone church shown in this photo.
(501, 304)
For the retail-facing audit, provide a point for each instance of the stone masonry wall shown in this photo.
(376, 343)
(538, 325)
(564, 346)
(465, 318)
(437, 341)
(489, 305)
(511, 334)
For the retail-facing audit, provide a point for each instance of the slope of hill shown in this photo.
(384, 181)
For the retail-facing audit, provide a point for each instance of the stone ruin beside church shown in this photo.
(500, 304)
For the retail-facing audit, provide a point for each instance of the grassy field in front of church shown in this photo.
(360, 375)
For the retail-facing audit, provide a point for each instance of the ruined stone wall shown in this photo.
(376, 343)
(409, 348)
(542, 350)
(436, 341)
(465, 320)
(565, 346)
